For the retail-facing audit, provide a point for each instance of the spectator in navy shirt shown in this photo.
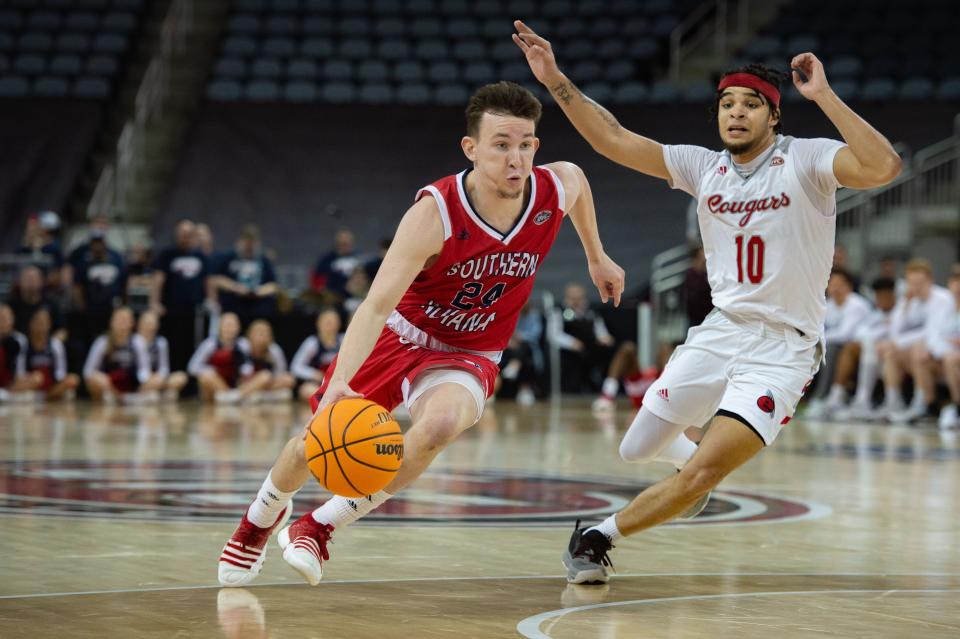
(333, 269)
(41, 247)
(246, 280)
(100, 281)
(179, 288)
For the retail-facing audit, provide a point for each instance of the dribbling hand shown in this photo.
(816, 83)
(337, 390)
(539, 53)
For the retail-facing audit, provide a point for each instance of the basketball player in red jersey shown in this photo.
(767, 209)
(439, 312)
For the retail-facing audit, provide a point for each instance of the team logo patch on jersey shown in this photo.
(766, 404)
(777, 161)
(542, 217)
(722, 170)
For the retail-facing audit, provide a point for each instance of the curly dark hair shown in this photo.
(765, 73)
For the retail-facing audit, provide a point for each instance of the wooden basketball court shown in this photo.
(112, 519)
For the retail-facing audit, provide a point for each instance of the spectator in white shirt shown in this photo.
(317, 352)
(938, 356)
(846, 311)
(908, 330)
(116, 365)
(158, 355)
(858, 358)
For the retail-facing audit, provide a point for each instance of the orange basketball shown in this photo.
(354, 447)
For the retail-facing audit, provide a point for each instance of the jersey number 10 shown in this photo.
(750, 264)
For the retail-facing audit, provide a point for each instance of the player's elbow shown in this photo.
(885, 170)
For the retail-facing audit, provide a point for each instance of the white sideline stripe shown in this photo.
(38, 595)
(530, 627)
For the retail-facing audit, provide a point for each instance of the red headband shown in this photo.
(751, 81)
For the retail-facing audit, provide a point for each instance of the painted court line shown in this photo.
(79, 593)
(530, 627)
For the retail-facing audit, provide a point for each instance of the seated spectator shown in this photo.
(246, 281)
(29, 295)
(158, 356)
(522, 363)
(625, 367)
(180, 286)
(46, 361)
(696, 289)
(222, 365)
(908, 328)
(267, 357)
(372, 265)
(586, 344)
(99, 281)
(316, 353)
(846, 311)
(936, 357)
(358, 285)
(333, 269)
(13, 351)
(40, 242)
(117, 366)
(857, 360)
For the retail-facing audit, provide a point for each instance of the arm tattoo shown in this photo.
(563, 92)
(606, 115)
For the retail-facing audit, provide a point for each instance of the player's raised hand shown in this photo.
(539, 53)
(816, 83)
(608, 277)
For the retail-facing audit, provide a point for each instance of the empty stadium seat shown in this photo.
(598, 90)
(302, 68)
(630, 93)
(337, 70)
(29, 64)
(103, 65)
(121, 22)
(262, 91)
(300, 91)
(240, 46)
(109, 43)
(66, 64)
(878, 89)
(916, 89)
(375, 93)
(338, 92)
(51, 86)
(266, 68)
(443, 72)
(223, 90)
(279, 46)
(316, 48)
(230, 68)
(451, 94)
(91, 87)
(13, 86)
(413, 94)
(373, 71)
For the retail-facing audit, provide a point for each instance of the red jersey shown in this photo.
(471, 297)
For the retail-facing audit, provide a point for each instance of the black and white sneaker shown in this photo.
(586, 557)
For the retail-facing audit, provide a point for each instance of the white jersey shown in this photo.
(944, 331)
(768, 227)
(910, 323)
(842, 320)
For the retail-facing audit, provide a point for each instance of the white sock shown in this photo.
(919, 400)
(608, 527)
(678, 452)
(268, 505)
(892, 397)
(837, 395)
(342, 511)
(610, 387)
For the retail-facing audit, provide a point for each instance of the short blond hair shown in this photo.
(921, 265)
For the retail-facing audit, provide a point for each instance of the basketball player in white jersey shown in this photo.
(767, 215)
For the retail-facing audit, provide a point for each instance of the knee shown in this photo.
(696, 482)
(438, 431)
(631, 452)
(951, 358)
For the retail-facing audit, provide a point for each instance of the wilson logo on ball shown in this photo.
(390, 450)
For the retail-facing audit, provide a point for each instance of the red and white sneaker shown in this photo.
(304, 544)
(242, 557)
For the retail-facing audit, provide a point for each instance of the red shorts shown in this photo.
(48, 380)
(394, 361)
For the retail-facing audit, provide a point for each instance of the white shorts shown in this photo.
(757, 372)
(436, 376)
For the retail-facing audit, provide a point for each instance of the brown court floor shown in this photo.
(112, 518)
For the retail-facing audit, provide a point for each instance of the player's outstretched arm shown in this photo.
(418, 238)
(606, 274)
(595, 123)
(869, 159)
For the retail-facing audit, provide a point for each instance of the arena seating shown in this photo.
(880, 50)
(426, 51)
(57, 48)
